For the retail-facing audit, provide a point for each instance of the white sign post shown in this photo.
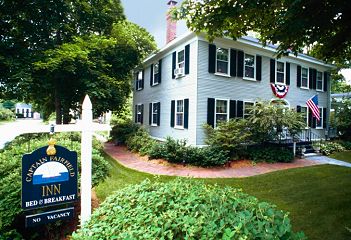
(87, 127)
(86, 159)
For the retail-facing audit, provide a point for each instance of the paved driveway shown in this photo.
(8, 131)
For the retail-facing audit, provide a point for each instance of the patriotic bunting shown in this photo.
(279, 90)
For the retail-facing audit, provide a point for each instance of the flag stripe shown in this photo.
(312, 103)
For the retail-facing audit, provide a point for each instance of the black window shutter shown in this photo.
(211, 58)
(240, 70)
(186, 113)
(150, 113)
(232, 109)
(310, 118)
(158, 113)
(142, 114)
(258, 68)
(174, 63)
(325, 84)
(287, 74)
(159, 71)
(298, 76)
(187, 59)
(210, 111)
(310, 78)
(172, 112)
(142, 79)
(233, 62)
(136, 114)
(151, 74)
(324, 117)
(298, 108)
(314, 122)
(240, 109)
(272, 71)
(314, 78)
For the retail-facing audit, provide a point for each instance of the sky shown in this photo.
(151, 14)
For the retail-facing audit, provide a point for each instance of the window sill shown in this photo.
(179, 127)
(319, 128)
(179, 76)
(249, 79)
(139, 89)
(281, 84)
(319, 90)
(222, 75)
(155, 84)
(154, 125)
(304, 88)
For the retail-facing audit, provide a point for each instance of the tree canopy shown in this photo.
(322, 25)
(53, 53)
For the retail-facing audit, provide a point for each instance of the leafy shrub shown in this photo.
(176, 151)
(346, 145)
(137, 141)
(270, 153)
(328, 148)
(185, 209)
(228, 135)
(10, 171)
(122, 130)
(6, 114)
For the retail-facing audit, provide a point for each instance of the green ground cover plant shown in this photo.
(10, 173)
(184, 209)
(316, 197)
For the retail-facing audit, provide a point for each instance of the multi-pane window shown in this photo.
(249, 66)
(139, 81)
(156, 73)
(304, 112)
(179, 121)
(319, 84)
(221, 111)
(180, 59)
(280, 72)
(248, 109)
(304, 77)
(222, 61)
(154, 113)
(139, 113)
(319, 123)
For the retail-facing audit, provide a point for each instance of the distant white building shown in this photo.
(24, 109)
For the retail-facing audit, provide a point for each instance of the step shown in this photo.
(311, 154)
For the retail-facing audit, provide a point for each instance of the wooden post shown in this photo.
(86, 159)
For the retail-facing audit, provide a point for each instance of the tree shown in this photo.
(52, 53)
(97, 65)
(343, 118)
(323, 25)
(267, 121)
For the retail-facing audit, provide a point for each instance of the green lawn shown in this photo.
(344, 156)
(318, 198)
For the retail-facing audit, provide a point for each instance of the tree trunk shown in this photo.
(58, 107)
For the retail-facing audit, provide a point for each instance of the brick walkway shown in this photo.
(134, 161)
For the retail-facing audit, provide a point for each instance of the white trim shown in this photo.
(247, 101)
(321, 110)
(308, 78)
(275, 72)
(175, 115)
(215, 109)
(322, 74)
(222, 74)
(228, 62)
(254, 67)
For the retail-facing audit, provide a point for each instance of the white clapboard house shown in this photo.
(191, 81)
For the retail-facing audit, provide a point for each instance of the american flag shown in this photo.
(312, 103)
